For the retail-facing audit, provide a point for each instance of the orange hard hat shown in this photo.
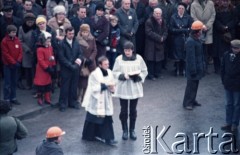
(54, 131)
(197, 25)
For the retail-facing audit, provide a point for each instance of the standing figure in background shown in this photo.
(204, 11)
(11, 48)
(156, 33)
(25, 36)
(130, 71)
(89, 49)
(44, 69)
(98, 104)
(70, 59)
(195, 65)
(51, 4)
(180, 25)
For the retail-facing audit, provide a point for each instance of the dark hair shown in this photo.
(70, 28)
(82, 7)
(101, 59)
(128, 45)
(27, 1)
(11, 28)
(5, 107)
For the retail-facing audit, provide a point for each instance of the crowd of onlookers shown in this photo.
(157, 34)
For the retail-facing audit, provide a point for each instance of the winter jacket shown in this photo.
(67, 56)
(49, 148)
(154, 48)
(205, 15)
(42, 77)
(230, 72)
(10, 129)
(11, 50)
(195, 62)
(76, 23)
(55, 26)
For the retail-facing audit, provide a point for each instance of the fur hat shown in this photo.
(59, 9)
(7, 8)
(235, 43)
(44, 36)
(11, 28)
(29, 16)
(85, 27)
(100, 7)
(41, 19)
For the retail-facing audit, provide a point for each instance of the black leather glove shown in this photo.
(122, 77)
(103, 87)
(74, 67)
(50, 70)
(88, 62)
(136, 78)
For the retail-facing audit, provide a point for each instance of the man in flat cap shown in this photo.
(230, 75)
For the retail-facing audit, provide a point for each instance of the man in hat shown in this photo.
(11, 48)
(51, 146)
(195, 65)
(230, 75)
(27, 8)
(11, 129)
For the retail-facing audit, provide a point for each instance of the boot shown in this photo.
(131, 130)
(125, 130)
(47, 97)
(39, 98)
(177, 68)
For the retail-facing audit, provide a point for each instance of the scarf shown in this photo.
(27, 28)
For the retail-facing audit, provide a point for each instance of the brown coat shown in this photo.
(89, 50)
(154, 48)
(54, 25)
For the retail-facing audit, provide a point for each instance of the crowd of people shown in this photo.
(96, 49)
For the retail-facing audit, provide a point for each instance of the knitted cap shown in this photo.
(29, 16)
(41, 19)
(100, 7)
(59, 9)
(85, 27)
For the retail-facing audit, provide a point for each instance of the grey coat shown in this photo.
(128, 23)
(27, 44)
(205, 15)
(195, 64)
(10, 129)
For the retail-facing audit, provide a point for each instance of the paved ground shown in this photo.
(161, 106)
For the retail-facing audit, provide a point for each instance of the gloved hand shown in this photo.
(74, 67)
(18, 64)
(50, 70)
(88, 62)
(122, 77)
(103, 87)
(136, 78)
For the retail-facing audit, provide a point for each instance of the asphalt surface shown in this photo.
(161, 106)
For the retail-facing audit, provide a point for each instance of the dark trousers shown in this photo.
(190, 93)
(68, 91)
(111, 57)
(29, 76)
(10, 81)
(154, 68)
(124, 113)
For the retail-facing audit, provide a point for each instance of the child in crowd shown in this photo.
(45, 68)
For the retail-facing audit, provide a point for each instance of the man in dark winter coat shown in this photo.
(70, 61)
(128, 23)
(231, 80)
(194, 65)
(50, 146)
(11, 129)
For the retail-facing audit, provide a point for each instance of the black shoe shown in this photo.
(20, 86)
(74, 107)
(125, 135)
(15, 102)
(133, 135)
(226, 127)
(62, 109)
(196, 104)
(111, 142)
